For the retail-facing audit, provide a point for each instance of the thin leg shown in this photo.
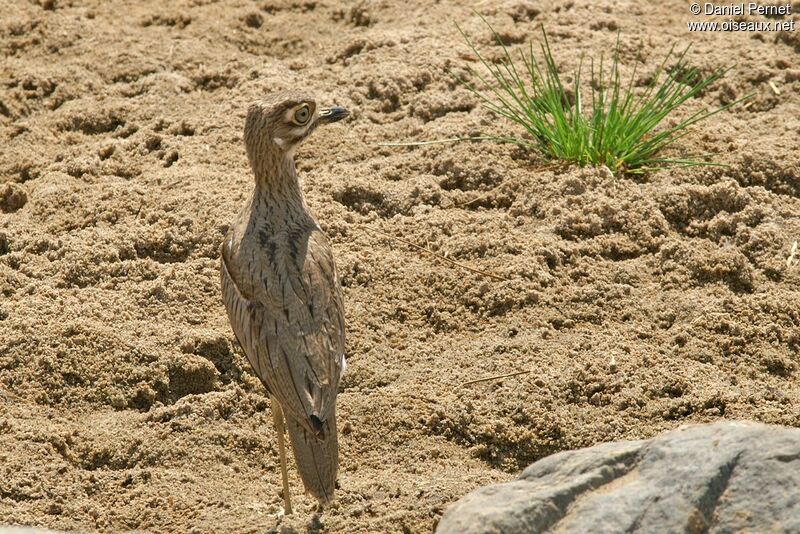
(277, 418)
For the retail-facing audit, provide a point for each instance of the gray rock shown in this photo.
(726, 477)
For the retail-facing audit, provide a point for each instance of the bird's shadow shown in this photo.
(314, 526)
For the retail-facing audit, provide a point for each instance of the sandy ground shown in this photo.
(636, 304)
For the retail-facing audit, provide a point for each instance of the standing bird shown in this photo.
(282, 294)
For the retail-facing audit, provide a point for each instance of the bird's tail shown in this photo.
(317, 459)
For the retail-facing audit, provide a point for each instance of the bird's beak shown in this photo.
(327, 115)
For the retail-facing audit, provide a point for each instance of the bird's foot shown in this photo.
(315, 523)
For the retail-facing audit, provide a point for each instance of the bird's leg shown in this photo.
(277, 418)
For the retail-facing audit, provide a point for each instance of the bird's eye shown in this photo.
(302, 115)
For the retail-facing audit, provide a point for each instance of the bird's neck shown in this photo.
(276, 181)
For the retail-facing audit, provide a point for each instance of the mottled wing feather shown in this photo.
(293, 331)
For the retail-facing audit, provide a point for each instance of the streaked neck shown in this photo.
(276, 180)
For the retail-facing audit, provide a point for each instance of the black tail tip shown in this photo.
(317, 426)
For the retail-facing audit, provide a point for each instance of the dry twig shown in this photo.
(436, 141)
(8, 396)
(496, 377)
(791, 261)
(436, 255)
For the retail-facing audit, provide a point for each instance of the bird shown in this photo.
(282, 294)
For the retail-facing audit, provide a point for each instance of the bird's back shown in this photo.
(284, 302)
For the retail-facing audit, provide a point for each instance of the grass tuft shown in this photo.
(621, 127)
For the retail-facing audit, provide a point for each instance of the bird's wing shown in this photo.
(292, 327)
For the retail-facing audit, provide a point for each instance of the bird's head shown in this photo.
(278, 123)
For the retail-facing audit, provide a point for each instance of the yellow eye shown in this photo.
(302, 115)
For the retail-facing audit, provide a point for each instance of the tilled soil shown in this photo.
(635, 304)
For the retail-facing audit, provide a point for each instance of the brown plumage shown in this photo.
(281, 291)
